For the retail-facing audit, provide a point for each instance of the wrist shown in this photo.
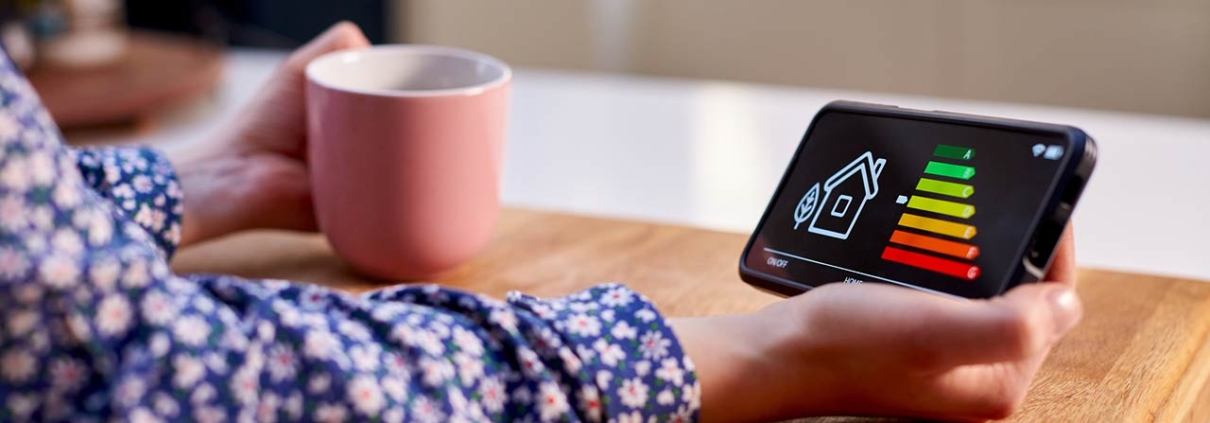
(211, 186)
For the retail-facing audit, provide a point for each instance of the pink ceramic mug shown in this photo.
(405, 146)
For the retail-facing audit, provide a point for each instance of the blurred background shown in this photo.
(687, 111)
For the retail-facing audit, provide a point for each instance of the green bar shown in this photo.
(948, 208)
(953, 152)
(945, 188)
(949, 170)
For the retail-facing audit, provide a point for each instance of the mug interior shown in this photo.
(408, 70)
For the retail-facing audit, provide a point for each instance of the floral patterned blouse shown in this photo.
(94, 326)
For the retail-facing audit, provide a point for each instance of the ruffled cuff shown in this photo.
(143, 186)
(625, 350)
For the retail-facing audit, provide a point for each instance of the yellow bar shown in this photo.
(948, 208)
(945, 188)
(956, 230)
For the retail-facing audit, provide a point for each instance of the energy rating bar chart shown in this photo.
(937, 226)
(948, 208)
(948, 180)
(950, 170)
(936, 245)
(930, 263)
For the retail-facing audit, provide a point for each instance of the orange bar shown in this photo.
(949, 248)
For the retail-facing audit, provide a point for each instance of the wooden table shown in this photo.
(1142, 353)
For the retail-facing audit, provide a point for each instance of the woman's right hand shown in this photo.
(873, 349)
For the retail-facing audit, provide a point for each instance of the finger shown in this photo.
(1017, 326)
(1063, 265)
(342, 36)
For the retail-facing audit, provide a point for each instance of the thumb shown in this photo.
(342, 36)
(1023, 323)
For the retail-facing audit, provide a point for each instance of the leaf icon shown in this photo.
(806, 206)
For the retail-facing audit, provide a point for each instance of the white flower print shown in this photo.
(642, 368)
(468, 342)
(354, 330)
(12, 213)
(331, 413)
(66, 196)
(187, 371)
(552, 402)
(209, 415)
(130, 391)
(43, 218)
(424, 411)
(604, 377)
(469, 368)
(623, 330)
(320, 344)
(67, 374)
(113, 315)
(365, 357)
(319, 384)
(191, 330)
(59, 271)
(570, 361)
(165, 405)
(245, 386)
(216, 362)
(646, 315)
(313, 298)
(281, 363)
(141, 184)
(633, 393)
(21, 322)
(157, 308)
(143, 415)
(632, 417)
(18, 365)
(294, 406)
(616, 297)
(590, 402)
(491, 392)
(14, 175)
(104, 273)
(394, 415)
(665, 397)
(366, 396)
(608, 315)
(610, 353)
(436, 372)
(42, 168)
(266, 408)
(395, 388)
(67, 241)
(670, 370)
(504, 318)
(653, 345)
(691, 394)
(12, 264)
(584, 325)
(136, 274)
(531, 364)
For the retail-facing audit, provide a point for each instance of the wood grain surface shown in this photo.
(1142, 353)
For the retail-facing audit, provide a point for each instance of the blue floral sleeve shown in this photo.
(95, 327)
(142, 186)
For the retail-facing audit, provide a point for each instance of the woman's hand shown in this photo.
(254, 175)
(875, 349)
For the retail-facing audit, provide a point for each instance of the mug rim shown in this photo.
(414, 49)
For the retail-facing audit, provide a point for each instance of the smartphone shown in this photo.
(954, 204)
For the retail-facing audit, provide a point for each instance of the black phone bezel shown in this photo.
(1048, 224)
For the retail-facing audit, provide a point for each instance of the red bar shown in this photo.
(930, 263)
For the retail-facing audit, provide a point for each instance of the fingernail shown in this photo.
(1065, 308)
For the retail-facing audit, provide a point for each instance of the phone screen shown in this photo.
(941, 207)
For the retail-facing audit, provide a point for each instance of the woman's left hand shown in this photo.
(255, 175)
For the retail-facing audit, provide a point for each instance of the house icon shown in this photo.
(844, 196)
